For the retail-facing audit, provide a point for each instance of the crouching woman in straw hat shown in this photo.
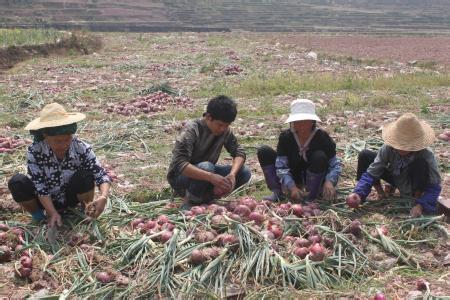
(405, 162)
(62, 170)
(305, 156)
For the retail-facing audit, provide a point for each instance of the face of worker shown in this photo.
(59, 143)
(403, 152)
(303, 127)
(217, 127)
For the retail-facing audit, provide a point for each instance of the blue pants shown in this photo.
(202, 191)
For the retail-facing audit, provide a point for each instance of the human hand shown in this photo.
(221, 183)
(329, 191)
(296, 194)
(95, 208)
(232, 179)
(380, 192)
(54, 220)
(416, 211)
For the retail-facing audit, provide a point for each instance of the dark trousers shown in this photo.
(202, 191)
(23, 189)
(418, 171)
(317, 162)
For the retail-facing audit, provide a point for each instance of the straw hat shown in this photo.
(53, 115)
(302, 109)
(408, 133)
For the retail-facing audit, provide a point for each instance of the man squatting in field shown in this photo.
(194, 173)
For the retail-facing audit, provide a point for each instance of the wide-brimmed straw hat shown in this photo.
(53, 115)
(408, 133)
(302, 109)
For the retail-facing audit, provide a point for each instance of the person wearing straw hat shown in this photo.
(405, 161)
(305, 157)
(62, 170)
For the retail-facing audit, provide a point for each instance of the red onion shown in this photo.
(314, 239)
(421, 285)
(277, 231)
(211, 253)
(136, 222)
(257, 217)
(353, 202)
(168, 226)
(231, 206)
(162, 219)
(242, 210)
(317, 252)
(289, 239)
(103, 277)
(24, 272)
(297, 210)
(3, 237)
(302, 242)
(5, 254)
(235, 217)
(301, 252)
(198, 210)
(355, 228)
(249, 202)
(285, 206)
(197, 257)
(220, 210)
(379, 296)
(205, 236)
(4, 227)
(26, 262)
(165, 236)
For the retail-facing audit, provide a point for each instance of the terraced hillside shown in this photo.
(378, 16)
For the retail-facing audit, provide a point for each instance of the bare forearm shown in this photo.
(46, 201)
(193, 172)
(104, 189)
(238, 162)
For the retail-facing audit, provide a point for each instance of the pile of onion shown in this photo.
(9, 144)
(148, 104)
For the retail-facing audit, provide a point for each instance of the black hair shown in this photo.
(222, 108)
(52, 131)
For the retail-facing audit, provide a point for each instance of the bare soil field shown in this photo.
(394, 48)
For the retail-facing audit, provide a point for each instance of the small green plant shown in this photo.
(425, 109)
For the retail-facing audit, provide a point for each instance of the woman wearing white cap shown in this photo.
(405, 162)
(62, 170)
(305, 156)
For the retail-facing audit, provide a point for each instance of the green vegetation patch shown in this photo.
(21, 37)
(289, 82)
